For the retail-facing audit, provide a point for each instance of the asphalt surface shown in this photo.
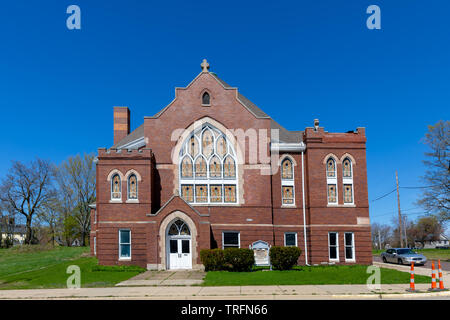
(444, 265)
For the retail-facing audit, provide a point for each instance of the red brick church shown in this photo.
(213, 170)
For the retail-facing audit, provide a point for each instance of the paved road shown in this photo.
(444, 265)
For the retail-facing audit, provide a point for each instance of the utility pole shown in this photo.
(379, 239)
(400, 228)
(404, 228)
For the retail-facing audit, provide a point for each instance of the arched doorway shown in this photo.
(179, 245)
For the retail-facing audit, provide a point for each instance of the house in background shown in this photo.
(17, 232)
(213, 170)
(443, 242)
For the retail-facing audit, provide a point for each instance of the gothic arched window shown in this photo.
(286, 169)
(116, 187)
(331, 168)
(206, 99)
(213, 178)
(331, 181)
(132, 187)
(287, 182)
(347, 180)
(347, 168)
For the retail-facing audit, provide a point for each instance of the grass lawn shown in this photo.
(431, 254)
(47, 269)
(355, 274)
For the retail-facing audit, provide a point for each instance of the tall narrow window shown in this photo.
(349, 246)
(208, 168)
(124, 244)
(332, 194)
(287, 182)
(116, 187)
(132, 187)
(333, 246)
(347, 181)
(206, 99)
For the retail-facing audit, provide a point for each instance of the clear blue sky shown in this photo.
(297, 60)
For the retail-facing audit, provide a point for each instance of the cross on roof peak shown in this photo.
(205, 65)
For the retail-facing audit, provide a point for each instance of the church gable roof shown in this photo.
(285, 135)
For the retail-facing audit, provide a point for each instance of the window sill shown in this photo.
(124, 259)
(350, 261)
(290, 206)
(115, 201)
(132, 201)
(333, 260)
(206, 105)
(349, 205)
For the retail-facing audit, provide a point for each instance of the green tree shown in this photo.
(427, 229)
(436, 196)
(76, 180)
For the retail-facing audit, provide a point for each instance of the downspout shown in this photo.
(304, 209)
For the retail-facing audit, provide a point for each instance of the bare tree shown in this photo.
(436, 195)
(381, 234)
(51, 215)
(26, 188)
(76, 178)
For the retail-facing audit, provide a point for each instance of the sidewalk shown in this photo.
(229, 293)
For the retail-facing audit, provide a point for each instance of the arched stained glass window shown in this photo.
(229, 168)
(286, 169)
(116, 187)
(221, 146)
(132, 187)
(213, 162)
(186, 167)
(347, 168)
(179, 228)
(331, 168)
(207, 143)
(200, 167)
(215, 167)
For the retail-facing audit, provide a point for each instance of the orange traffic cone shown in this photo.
(441, 279)
(412, 286)
(433, 277)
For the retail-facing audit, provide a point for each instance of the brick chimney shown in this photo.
(121, 123)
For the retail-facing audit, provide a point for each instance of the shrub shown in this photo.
(212, 259)
(238, 259)
(284, 258)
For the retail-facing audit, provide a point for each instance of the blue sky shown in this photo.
(297, 60)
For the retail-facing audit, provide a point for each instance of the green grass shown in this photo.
(431, 254)
(355, 274)
(47, 269)
(25, 258)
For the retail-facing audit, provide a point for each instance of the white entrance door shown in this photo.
(180, 253)
(179, 246)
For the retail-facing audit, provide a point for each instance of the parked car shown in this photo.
(403, 256)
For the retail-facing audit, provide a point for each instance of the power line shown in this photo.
(384, 195)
